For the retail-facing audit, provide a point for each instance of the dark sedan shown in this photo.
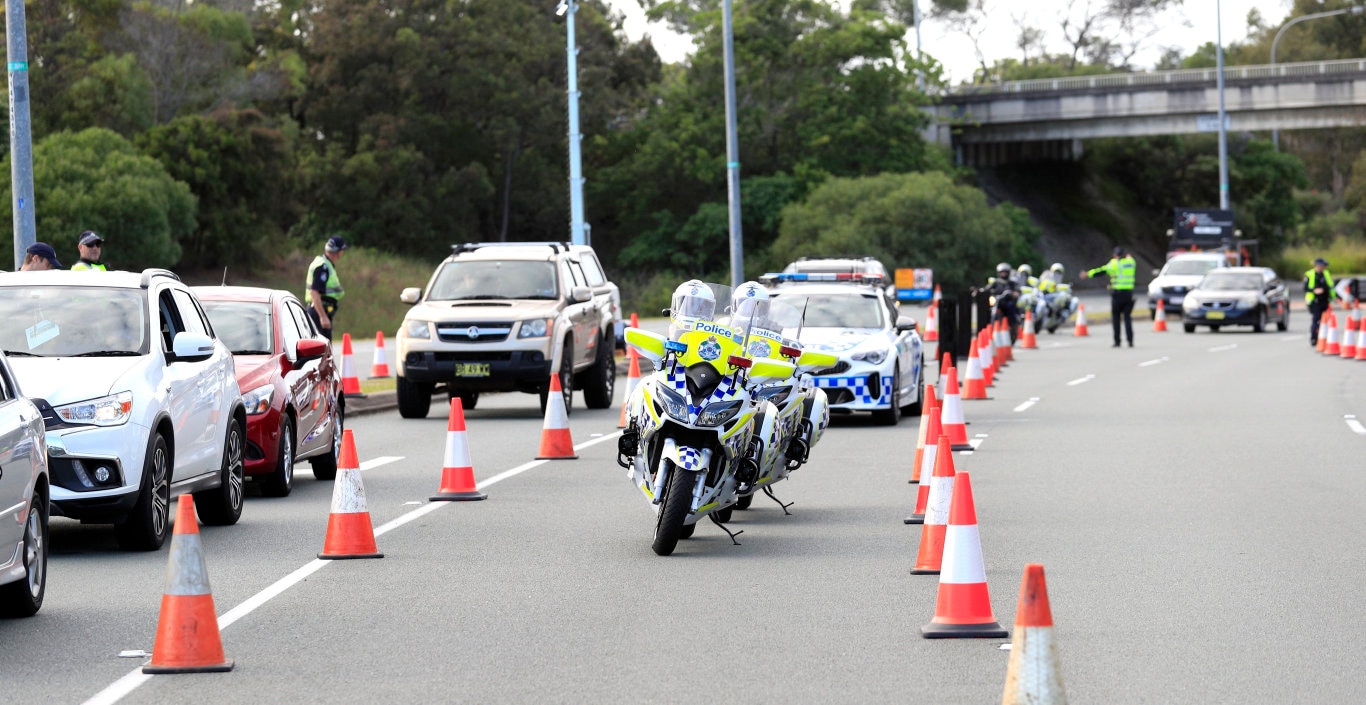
(1237, 296)
(290, 383)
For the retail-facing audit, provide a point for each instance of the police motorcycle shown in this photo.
(687, 445)
(799, 414)
(1056, 303)
(1003, 297)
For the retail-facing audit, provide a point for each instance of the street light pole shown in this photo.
(1355, 10)
(1223, 131)
(20, 132)
(576, 225)
(737, 254)
(919, 55)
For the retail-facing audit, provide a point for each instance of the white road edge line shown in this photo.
(127, 684)
(1082, 380)
(382, 460)
(1027, 404)
(1150, 363)
(1223, 348)
(1291, 338)
(1355, 425)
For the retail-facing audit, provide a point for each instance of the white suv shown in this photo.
(139, 398)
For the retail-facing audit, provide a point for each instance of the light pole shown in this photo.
(737, 253)
(1355, 10)
(1223, 131)
(20, 135)
(567, 8)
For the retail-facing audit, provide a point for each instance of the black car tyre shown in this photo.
(1260, 325)
(914, 408)
(23, 598)
(1188, 327)
(1284, 323)
(281, 482)
(1214, 329)
(892, 415)
(566, 381)
(468, 400)
(600, 380)
(414, 398)
(677, 502)
(325, 465)
(222, 505)
(146, 526)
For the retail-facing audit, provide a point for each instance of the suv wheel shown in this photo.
(281, 482)
(601, 378)
(325, 465)
(566, 381)
(222, 505)
(414, 399)
(146, 526)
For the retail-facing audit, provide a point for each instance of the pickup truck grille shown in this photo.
(486, 332)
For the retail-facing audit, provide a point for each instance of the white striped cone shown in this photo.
(1334, 347)
(1000, 345)
(350, 382)
(932, 323)
(556, 443)
(632, 381)
(951, 415)
(987, 355)
(963, 608)
(1350, 335)
(187, 639)
(349, 531)
(974, 385)
(1033, 676)
(1080, 329)
(457, 473)
(379, 368)
(930, 557)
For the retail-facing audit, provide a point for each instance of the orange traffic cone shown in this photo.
(1080, 330)
(1027, 339)
(951, 416)
(380, 366)
(349, 531)
(1003, 343)
(1160, 318)
(1361, 340)
(1033, 677)
(926, 470)
(963, 608)
(187, 638)
(1334, 346)
(632, 380)
(975, 386)
(1350, 334)
(928, 407)
(932, 323)
(556, 443)
(986, 352)
(350, 383)
(457, 473)
(936, 517)
(1323, 332)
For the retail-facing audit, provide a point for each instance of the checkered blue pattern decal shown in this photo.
(860, 387)
(689, 458)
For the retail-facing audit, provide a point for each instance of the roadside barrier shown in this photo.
(457, 472)
(379, 368)
(1027, 339)
(187, 638)
(974, 386)
(925, 470)
(963, 607)
(1033, 676)
(929, 406)
(556, 443)
(350, 382)
(1160, 318)
(632, 380)
(930, 557)
(349, 531)
(1080, 330)
(951, 415)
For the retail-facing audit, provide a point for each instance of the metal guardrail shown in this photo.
(1168, 78)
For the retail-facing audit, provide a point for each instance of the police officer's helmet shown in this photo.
(693, 301)
(1119, 251)
(1026, 270)
(750, 300)
(1057, 267)
(1003, 268)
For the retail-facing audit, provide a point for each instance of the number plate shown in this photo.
(471, 369)
(1215, 315)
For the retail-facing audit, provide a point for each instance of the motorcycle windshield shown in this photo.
(772, 326)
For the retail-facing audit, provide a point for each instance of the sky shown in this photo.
(1187, 27)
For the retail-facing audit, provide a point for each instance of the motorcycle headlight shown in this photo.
(418, 329)
(673, 404)
(718, 413)
(534, 328)
(777, 395)
(257, 400)
(874, 357)
(112, 410)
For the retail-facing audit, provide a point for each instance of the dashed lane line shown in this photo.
(1082, 380)
(1223, 348)
(1355, 425)
(1150, 363)
(1026, 405)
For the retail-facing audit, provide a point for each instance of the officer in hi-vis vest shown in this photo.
(324, 290)
(1319, 293)
(91, 247)
(1121, 269)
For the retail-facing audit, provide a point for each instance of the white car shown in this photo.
(881, 367)
(1178, 276)
(23, 501)
(140, 400)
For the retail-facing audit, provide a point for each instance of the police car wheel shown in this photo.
(892, 414)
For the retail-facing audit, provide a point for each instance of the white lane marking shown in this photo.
(1150, 363)
(128, 683)
(1291, 338)
(1083, 380)
(975, 443)
(1027, 404)
(1223, 348)
(1355, 425)
(381, 460)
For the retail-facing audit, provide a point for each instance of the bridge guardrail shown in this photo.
(1157, 78)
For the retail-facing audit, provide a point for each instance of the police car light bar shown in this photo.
(862, 278)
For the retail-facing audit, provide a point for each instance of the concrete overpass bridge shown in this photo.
(1048, 118)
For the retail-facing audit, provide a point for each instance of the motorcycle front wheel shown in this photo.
(677, 502)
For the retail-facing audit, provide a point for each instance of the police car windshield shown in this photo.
(838, 310)
(1190, 266)
(494, 279)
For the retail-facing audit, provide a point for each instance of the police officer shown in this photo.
(1318, 294)
(324, 290)
(1007, 292)
(39, 257)
(1121, 269)
(91, 247)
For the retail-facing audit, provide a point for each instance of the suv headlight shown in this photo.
(112, 410)
(257, 400)
(719, 413)
(534, 328)
(874, 357)
(673, 404)
(418, 329)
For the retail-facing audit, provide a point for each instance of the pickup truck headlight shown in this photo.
(418, 329)
(534, 328)
(718, 413)
(112, 410)
(257, 400)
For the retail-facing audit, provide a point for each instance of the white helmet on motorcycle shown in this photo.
(749, 301)
(1003, 269)
(693, 301)
(1026, 270)
(1057, 267)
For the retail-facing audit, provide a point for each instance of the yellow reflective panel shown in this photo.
(645, 341)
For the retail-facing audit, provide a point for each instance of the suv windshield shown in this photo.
(63, 321)
(837, 310)
(494, 279)
(1190, 266)
(243, 326)
(1232, 282)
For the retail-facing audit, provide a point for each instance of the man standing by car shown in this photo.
(1121, 269)
(1318, 294)
(324, 290)
(91, 247)
(40, 256)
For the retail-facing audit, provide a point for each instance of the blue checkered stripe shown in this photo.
(678, 380)
(860, 386)
(689, 458)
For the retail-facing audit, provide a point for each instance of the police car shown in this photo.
(850, 315)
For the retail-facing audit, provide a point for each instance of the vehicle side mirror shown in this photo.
(410, 295)
(905, 324)
(308, 350)
(580, 294)
(1156, 271)
(191, 347)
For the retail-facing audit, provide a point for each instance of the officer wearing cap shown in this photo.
(40, 256)
(1121, 269)
(91, 247)
(1318, 294)
(324, 289)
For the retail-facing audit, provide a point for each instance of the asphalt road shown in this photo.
(1195, 500)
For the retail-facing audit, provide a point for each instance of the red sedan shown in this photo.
(290, 383)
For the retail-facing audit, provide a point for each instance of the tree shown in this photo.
(97, 180)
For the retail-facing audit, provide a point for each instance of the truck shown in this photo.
(1210, 230)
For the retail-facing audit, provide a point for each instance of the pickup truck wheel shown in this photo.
(414, 399)
(600, 380)
(467, 399)
(566, 381)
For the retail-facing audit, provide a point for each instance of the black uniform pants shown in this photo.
(1316, 309)
(1122, 306)
(330, 306)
